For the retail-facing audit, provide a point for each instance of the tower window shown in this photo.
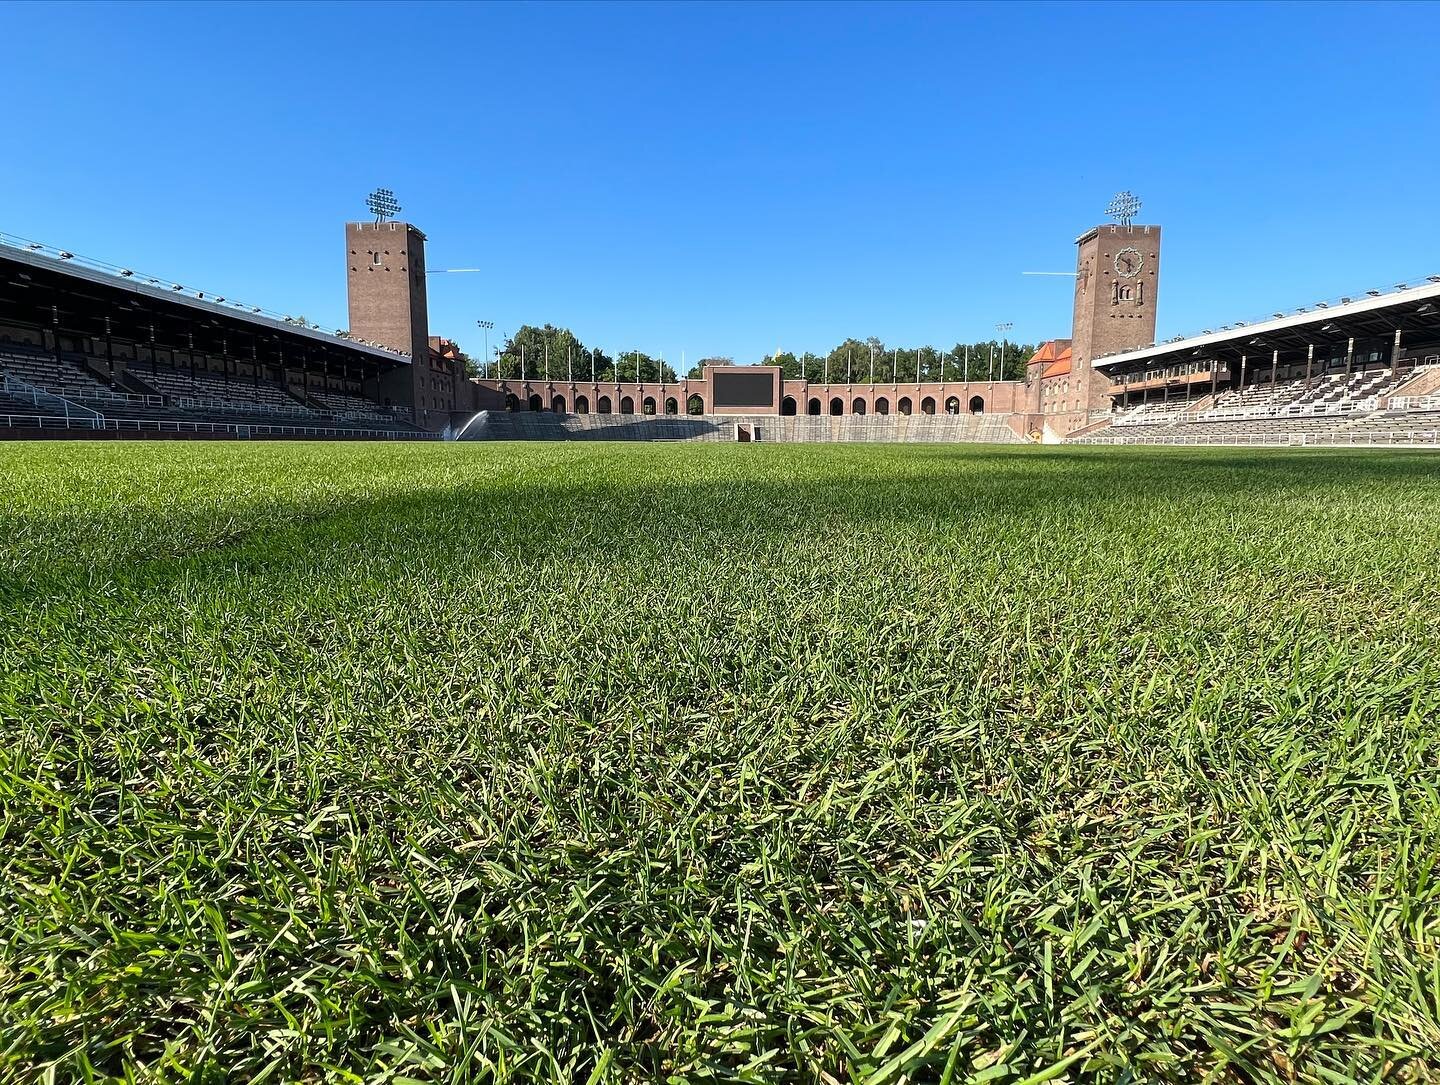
(377, 258)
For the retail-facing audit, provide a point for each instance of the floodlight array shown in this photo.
(1124, 207)
(382, 204)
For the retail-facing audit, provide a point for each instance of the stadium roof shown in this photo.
(121, 279)
(1410, 309)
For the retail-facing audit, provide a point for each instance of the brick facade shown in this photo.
(1114, 301)
(1009, 398)
(385, 279)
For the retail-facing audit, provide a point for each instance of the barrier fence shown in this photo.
(228, 429)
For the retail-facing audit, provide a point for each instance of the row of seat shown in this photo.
(217, 389)
(1319, 394)
(162, 394)
(546, 426)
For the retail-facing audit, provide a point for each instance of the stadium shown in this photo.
(97, 350)
(1058, 706)
(433, 740)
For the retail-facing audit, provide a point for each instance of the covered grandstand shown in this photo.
(1354, 371)
(97, 350)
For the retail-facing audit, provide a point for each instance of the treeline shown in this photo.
(555, 353)
(863, 361)
(548, 352)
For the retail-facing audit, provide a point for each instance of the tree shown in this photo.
(850, 361)
(696, 371)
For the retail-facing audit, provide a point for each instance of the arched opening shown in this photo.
(977, 405)
(787, 405)
(648, 406)
(837, 406)
(627, 405)
(927, 405)
(558, 404)
(512, 402)
(536, 403)
(671, 407)
(952, 406)
(602, 405)
(857, 406)
(882, 406)
(695, 405)
(904, 404)
(582, 405)
(813, 407)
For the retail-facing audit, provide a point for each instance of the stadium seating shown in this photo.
(213, 389)
(348, 405)
(545, 426)
(42, 370)
(39, 390)
(1335, 391)
(1330, 409)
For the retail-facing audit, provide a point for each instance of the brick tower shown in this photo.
(386, 286)
(1117, 282)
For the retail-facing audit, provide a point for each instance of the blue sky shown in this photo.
(729, 179)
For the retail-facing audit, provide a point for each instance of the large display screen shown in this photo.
(736, 388)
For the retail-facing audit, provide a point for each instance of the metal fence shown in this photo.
(236, 430)
(1341, 439)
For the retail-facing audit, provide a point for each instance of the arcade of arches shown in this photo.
(1001, 397)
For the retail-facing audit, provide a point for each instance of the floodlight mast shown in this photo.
(1124, 207)
(382, 205)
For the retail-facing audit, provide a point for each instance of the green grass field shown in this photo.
(680, 762)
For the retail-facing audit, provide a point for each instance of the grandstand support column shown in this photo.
(1395, 353)
(1274, 368)
(1214, 376)
(1310, 363)
(1243, 359)
(1349, 357)
(109, 353)
(55, 325)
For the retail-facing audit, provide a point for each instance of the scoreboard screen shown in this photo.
(736, 388)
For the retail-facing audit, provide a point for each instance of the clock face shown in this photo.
(1128, 263)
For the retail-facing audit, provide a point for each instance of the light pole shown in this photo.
(485, 326)
(1003, 327)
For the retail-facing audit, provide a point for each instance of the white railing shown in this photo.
(1290, 410)
(227, 429)
(18, 389)
(93, 395)
(204, 404)
(1415, 403)
(46, 421)
(1341, 438)
(259, 429)
(104, 395)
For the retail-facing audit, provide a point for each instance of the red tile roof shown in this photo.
(1055, 355)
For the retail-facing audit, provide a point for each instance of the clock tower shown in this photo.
(1117, 279)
